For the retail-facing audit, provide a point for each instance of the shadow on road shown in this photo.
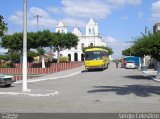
(92, 70)
(137, 77)
(138, 90)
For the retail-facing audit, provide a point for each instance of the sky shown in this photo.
(120, 21)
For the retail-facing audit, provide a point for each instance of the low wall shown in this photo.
(35, 72)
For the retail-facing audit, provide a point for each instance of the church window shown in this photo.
(89, 31)
(91, 44)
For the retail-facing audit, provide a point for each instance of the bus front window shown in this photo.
(93, 55)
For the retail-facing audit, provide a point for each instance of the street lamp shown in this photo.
(37, 18)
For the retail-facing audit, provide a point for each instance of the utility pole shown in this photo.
(37, 18)
(24, 70)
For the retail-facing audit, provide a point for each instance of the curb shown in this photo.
(150, 77)
(47, 94)
(45, 79)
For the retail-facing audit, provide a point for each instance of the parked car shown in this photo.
(130, 65)
(6, 80)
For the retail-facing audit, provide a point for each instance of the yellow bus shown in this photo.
(96, 58)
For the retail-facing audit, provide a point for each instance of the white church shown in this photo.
(90, 38)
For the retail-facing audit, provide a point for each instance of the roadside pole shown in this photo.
(24, 69)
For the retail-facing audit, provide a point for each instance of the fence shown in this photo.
(35, 72)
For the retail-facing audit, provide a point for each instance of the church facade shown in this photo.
(90, 38)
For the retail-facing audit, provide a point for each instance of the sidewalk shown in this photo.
(57, 75)
(151, 74)
(14, 91)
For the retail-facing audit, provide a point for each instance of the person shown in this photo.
(117, 62)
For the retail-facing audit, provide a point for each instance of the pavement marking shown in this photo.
(30, 94)
(59, 77)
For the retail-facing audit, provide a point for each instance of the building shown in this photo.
(156, 27)
(90, 38)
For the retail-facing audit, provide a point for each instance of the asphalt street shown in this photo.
(112, 90)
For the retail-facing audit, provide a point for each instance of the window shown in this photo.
(89, 31)
(91, 44)
(82, 45)
(95, 55)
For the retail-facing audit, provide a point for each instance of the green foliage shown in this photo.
(3, 26)
(13, 42)
(126, 52)
(14, 57)
(6, 65)
(146, 45)
(110, 51)
(40, 39)
(31, 55)
(41, 51)
(4, 57)
(63, 59)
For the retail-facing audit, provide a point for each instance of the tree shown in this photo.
(154, 49)
(42, 40)
(14, 43)
(148, 45)
(127, 52)
(62, 41)
(3, 26)
(110, 51)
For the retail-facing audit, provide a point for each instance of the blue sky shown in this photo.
(120, 21)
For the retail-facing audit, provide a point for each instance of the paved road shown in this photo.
(112, 90)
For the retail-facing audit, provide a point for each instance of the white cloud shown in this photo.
(94, 8)
(116, 45)
(155, 10)
(73, 22)
(81, 8)
(17, 18)
(33, 11)
(45, 20)
(56, 10)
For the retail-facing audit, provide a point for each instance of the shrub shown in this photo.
(63, 59)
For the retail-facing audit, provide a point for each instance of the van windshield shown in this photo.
(93, 55)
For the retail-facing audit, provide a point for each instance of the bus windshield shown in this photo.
(94, 55)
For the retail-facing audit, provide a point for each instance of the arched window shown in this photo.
(69, 57)
(89, 31)
(91, 44)
(75, 56)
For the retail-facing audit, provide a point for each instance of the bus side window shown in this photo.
(102, 53)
